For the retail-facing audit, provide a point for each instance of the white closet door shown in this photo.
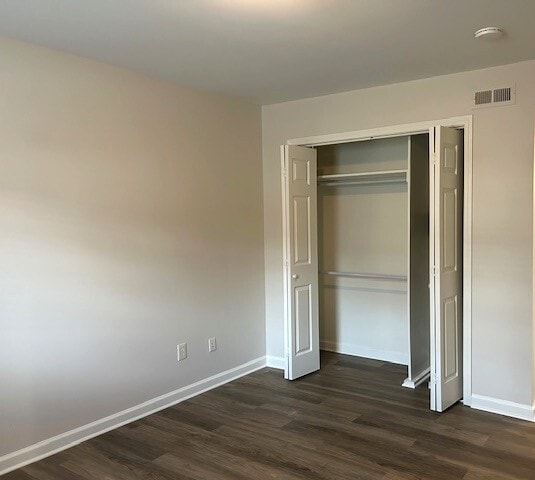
(448, 384)
(301, 261)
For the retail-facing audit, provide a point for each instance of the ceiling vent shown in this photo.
(494, 97)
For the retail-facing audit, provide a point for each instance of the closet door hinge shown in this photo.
(435, 270)
(434, 379)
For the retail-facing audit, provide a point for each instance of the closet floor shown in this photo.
(351, 420)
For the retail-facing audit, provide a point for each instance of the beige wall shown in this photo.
(131, 220)
(502, 205)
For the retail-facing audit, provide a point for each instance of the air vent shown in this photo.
(483, 97)
(494, 97)
(502, 95)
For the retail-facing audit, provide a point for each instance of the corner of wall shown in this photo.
(533, 271)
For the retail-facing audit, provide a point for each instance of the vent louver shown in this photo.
(483, 97)
(494, 97)
(502, 94)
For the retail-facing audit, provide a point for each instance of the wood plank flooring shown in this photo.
(352, 420)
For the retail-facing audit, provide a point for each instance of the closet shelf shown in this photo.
(364, 178)
(374, 276)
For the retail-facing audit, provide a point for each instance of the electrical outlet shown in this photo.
(212, 344)
(182, 351)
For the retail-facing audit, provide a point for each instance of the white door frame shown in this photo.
(464, 122)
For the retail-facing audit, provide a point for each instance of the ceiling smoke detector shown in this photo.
(489, 33)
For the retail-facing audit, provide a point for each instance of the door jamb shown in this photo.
(465, 123)
(285, 253)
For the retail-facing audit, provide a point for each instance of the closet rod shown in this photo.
(375, 276)
(340, 183)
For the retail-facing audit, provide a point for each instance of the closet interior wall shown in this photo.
(363, 229)
(373, 248)
(418, 287)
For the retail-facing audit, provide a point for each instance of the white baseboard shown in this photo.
(503, 407)
(60, 442)
(418, 379)
(275, 362)
(360, 351)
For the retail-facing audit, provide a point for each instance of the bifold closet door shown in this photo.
(300, 261)
(447, 385)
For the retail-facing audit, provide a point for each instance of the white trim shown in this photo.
(432, 286)
(503, 407)
(50, 446)
(409, 246)
(275, 362)
(366, 352)
(285, 260)
(418, 379)
(467, 262)
(466, 123)
(380, 132)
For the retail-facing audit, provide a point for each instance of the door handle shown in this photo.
(295, 276)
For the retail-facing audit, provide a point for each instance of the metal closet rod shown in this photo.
(340, 183)
(375, 276)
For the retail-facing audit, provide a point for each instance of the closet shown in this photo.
(373, 250)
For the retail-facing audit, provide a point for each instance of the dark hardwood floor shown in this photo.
(351, 420)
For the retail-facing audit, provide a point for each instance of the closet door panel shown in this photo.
(448, 385)
(303, 323)
(301, 261)
(301, 235)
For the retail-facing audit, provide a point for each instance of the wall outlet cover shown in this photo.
(182, 351)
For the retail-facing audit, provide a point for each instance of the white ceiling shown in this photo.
(274, 50)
